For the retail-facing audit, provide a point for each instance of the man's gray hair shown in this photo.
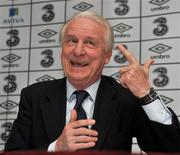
(109, 35)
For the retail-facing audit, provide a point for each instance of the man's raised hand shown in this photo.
(134, 76)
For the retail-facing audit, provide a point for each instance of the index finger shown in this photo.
(129, 56)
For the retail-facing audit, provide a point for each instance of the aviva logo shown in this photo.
(13, 12)
(14, 17)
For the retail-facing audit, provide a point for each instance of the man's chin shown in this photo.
(79, 82)
(78, 79)
(79, 70)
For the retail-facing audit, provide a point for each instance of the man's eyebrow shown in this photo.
(69, 35)
(94, 38)
(91, 37)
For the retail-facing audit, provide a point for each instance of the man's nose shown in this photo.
(79, 49)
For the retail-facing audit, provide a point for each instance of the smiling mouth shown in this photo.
(77, 64)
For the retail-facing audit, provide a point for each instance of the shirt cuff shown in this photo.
(51, 147)
(158, 112)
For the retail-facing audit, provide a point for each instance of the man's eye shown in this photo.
(70, 41)
(91, 44)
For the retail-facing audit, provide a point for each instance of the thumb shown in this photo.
(147, 65)
(73, 116)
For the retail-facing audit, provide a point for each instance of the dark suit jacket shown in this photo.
(118, 114)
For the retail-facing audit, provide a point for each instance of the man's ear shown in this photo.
(108, 55)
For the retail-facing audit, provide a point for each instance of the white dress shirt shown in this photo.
(156, 111)
(88, 103)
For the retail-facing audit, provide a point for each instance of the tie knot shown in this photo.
(80, 96)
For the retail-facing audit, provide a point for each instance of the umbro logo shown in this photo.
(47, 34)
(122, 27)
(8, 105)
(158, 2)
(159, 5)
(83, 6)
(45, 78)
(10, 58)
(116, 76)
(160, 49)
(166, 99)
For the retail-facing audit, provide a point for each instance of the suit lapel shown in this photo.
(105, 107)
(54, 110)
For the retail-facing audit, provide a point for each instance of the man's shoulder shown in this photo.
(108, 80)
(45, 86)
(115, 85)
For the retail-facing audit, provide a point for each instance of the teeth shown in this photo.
(78, 64)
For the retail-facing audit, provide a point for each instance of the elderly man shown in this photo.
(87, 110)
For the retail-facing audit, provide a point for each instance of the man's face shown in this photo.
(83, 52)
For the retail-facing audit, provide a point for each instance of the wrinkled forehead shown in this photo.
(85, 27)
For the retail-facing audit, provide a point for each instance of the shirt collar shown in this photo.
(92, 90)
